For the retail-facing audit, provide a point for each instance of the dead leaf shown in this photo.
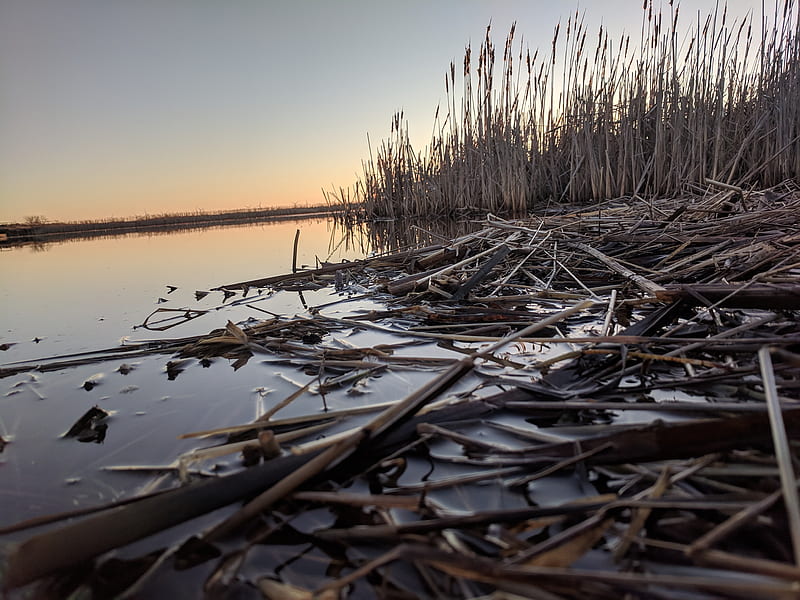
(574, 546)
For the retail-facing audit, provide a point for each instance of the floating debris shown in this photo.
(90, 427)
(93, 381)
(125, 368)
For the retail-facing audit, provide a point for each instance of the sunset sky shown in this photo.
(111, 108)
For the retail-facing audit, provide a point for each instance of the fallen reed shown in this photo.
(716, 101)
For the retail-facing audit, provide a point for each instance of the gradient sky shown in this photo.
(119, 108)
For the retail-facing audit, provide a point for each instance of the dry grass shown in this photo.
(719, 103)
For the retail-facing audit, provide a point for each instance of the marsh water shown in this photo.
(73, 297)
(65, 300)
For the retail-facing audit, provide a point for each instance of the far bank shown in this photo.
(39, 229)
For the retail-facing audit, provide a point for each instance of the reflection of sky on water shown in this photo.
(86, 295)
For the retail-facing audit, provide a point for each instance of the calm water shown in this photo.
(86, 295)
(74, 297)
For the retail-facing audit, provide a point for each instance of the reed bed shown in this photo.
(628, 118)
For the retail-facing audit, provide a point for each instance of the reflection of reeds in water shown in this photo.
(576, 124)
(384, 237)
(387, 236)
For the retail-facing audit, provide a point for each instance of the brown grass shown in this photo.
(579, 125)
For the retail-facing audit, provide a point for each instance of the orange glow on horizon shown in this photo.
(130, 203)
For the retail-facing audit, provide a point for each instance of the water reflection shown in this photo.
(400, 234)
(84, 295)
(81, 295)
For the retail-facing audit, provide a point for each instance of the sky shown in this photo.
(113, 108)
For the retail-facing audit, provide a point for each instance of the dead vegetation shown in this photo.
(697, 98)
(610, 411)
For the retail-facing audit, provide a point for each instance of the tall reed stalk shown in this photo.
(576, 125)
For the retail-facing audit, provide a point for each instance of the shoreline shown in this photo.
(12, 234)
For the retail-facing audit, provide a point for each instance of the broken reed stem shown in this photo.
(285, 402)
(640, 516)
(609, 314)
(704, 542)
(284, 487)
(327, 417)
(645, 284)
(782, 451)
(533, 328)
(294, 251)
(216, 451)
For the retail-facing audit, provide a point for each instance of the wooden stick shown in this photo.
(490, 264)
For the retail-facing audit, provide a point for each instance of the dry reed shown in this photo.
(572, 125)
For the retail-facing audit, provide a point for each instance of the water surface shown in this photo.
(72, 297)
(82, 295)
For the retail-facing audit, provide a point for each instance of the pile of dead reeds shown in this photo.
(614, 417)
(578, 124)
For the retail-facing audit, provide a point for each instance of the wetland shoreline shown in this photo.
(40, 230)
